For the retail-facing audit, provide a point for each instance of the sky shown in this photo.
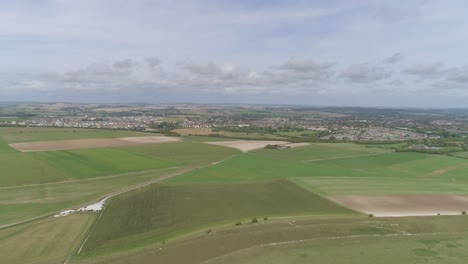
(410, 53)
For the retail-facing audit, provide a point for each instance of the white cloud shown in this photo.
(364, 73)
(427, 71)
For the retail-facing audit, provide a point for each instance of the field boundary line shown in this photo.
(89, 179)
(347, 157)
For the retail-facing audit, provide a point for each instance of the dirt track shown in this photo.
(89, 143)
(405, 205)
(247, 145)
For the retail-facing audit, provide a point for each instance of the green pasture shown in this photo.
(31, 134)
(382, 186)
(248, 167)
(463, 155)
(387, 146)
(87, 163)
(26, 202)
(4, 148)
(296, 133)
(10, 118)
(162, 211)
(404, 164)
(262, 165)
(186, 153)
(47, 241)
(317, 239)
(20, 168)
(443, 249)
(319, 151)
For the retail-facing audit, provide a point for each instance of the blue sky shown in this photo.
(349, 52)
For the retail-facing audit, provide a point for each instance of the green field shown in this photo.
(162, 211)
(31, 134)
(86, 163)
(47, 241)
(297, 133)
(463, 155)
(386, 146)
(187, 153)
(447, 249)
(322, 239)
(26, 202)
(381, 186)
(20, 168)
(210, 189)
(4, 148)
(320, 151)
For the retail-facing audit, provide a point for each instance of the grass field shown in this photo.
(386, 146)
(323, 239)
(381, 186)
(86, 163)
(187, 153)
(57, 175)
(4, 148)
(463, 155)
(48, 241)
(157, 222)
(447, 249)
(25, 202)
(31, 134)
(18, 169)
(269, 164)
(162, 211)
(297, 133)
(318, 151)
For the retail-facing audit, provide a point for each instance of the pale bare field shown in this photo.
(405, 205)
(247, 145)
(90, 143)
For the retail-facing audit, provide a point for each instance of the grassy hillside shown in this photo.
(20, 168)
(4, 148)
(186, 153)
(445, 249)
(323, 239)
(381, 186)
(162, 211)
(318, 151)
(270, 164)
(86, 163)
(25, 202)
(48, 241)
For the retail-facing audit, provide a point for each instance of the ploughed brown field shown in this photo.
(89, 143)
(405, 205)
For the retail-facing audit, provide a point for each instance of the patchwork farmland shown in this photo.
(228, 201)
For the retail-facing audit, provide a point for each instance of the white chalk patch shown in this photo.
(89, 208)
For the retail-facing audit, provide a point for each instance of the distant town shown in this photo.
(348, 124)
